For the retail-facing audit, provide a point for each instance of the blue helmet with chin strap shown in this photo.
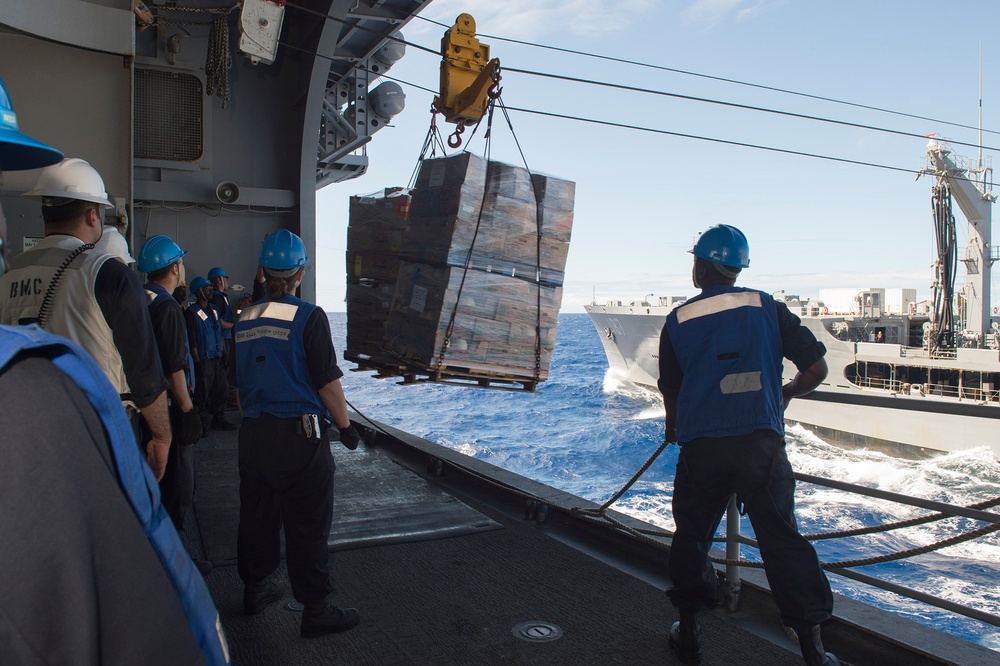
(199, 283)
(158, 252)
(283, 251)
(216, 272)
(723, 244)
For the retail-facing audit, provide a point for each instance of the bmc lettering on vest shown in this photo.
(263, 332)
(741, 382)
(31, 287)
(716, 304)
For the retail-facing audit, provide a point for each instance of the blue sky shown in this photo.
(643, 197)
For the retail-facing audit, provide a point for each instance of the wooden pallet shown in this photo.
(473, 377)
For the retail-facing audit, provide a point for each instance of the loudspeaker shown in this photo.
(227, 192)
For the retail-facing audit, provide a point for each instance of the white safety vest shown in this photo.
(74, 312)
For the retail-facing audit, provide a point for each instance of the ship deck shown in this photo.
(445, 569)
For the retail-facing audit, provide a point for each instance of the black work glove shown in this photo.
(190, 427)
(350, 437)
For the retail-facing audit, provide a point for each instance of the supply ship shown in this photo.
(905, 377)
(216, 122)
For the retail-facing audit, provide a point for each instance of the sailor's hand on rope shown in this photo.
(669, 435)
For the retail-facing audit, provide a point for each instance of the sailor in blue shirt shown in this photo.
(163, 263)
(290, 394)
(205, 337)
(220, 299)
(721, 356)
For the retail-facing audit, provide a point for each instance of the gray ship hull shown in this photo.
(910, 423)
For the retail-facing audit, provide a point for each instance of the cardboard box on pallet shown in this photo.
(557, 197)
(423, 308)
(461, 209)
(387, 209)
(374, 239)
(372, 266)
(377, 222)
(368, 304)
(448, 196)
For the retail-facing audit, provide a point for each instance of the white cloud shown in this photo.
(531, 19)
(712, 12)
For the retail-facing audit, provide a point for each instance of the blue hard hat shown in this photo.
(217, 272)
(19, 151)
(158, 252)
(723, 244)
(199, 283)
(283, 251)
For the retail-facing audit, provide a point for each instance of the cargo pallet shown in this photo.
(458, 376)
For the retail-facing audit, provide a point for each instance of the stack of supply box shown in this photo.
(476, 273)
(374, 239)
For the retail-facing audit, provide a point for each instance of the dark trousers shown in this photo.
(177, 484)
(756, 469)
(211, 388)
(230, 357)
(285, 480)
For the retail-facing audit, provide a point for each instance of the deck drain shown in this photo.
(537, 632)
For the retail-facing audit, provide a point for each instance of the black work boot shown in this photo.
(260, 595)
(811, 644)
(684, 638)
(323, 618)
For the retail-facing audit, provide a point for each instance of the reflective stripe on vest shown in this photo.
(208, 329)
(719, 303)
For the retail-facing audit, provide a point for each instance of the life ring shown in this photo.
(825, 310)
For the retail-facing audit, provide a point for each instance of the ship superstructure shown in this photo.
(909, 377)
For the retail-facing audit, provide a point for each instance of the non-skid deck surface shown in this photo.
(456, 601)
(376, 502)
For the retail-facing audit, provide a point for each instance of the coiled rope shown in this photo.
(219, 59)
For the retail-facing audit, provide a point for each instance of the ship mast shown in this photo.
(970, 185)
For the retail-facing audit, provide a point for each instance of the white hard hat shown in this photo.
(70, 179)
(112, 242)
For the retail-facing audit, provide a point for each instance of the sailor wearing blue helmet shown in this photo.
(290, 393)
(220, 299)
(162, 261)
(721, 357)
(207, 349)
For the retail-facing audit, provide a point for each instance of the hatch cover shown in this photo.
(537, 632)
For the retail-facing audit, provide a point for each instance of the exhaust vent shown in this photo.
(168, 116)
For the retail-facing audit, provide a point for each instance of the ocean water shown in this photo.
(585, 431)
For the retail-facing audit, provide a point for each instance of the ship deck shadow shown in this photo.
(455, 598)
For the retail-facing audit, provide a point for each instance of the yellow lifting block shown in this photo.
(466, 73)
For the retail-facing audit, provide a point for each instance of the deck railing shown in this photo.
(734, 539)
(895, 386)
